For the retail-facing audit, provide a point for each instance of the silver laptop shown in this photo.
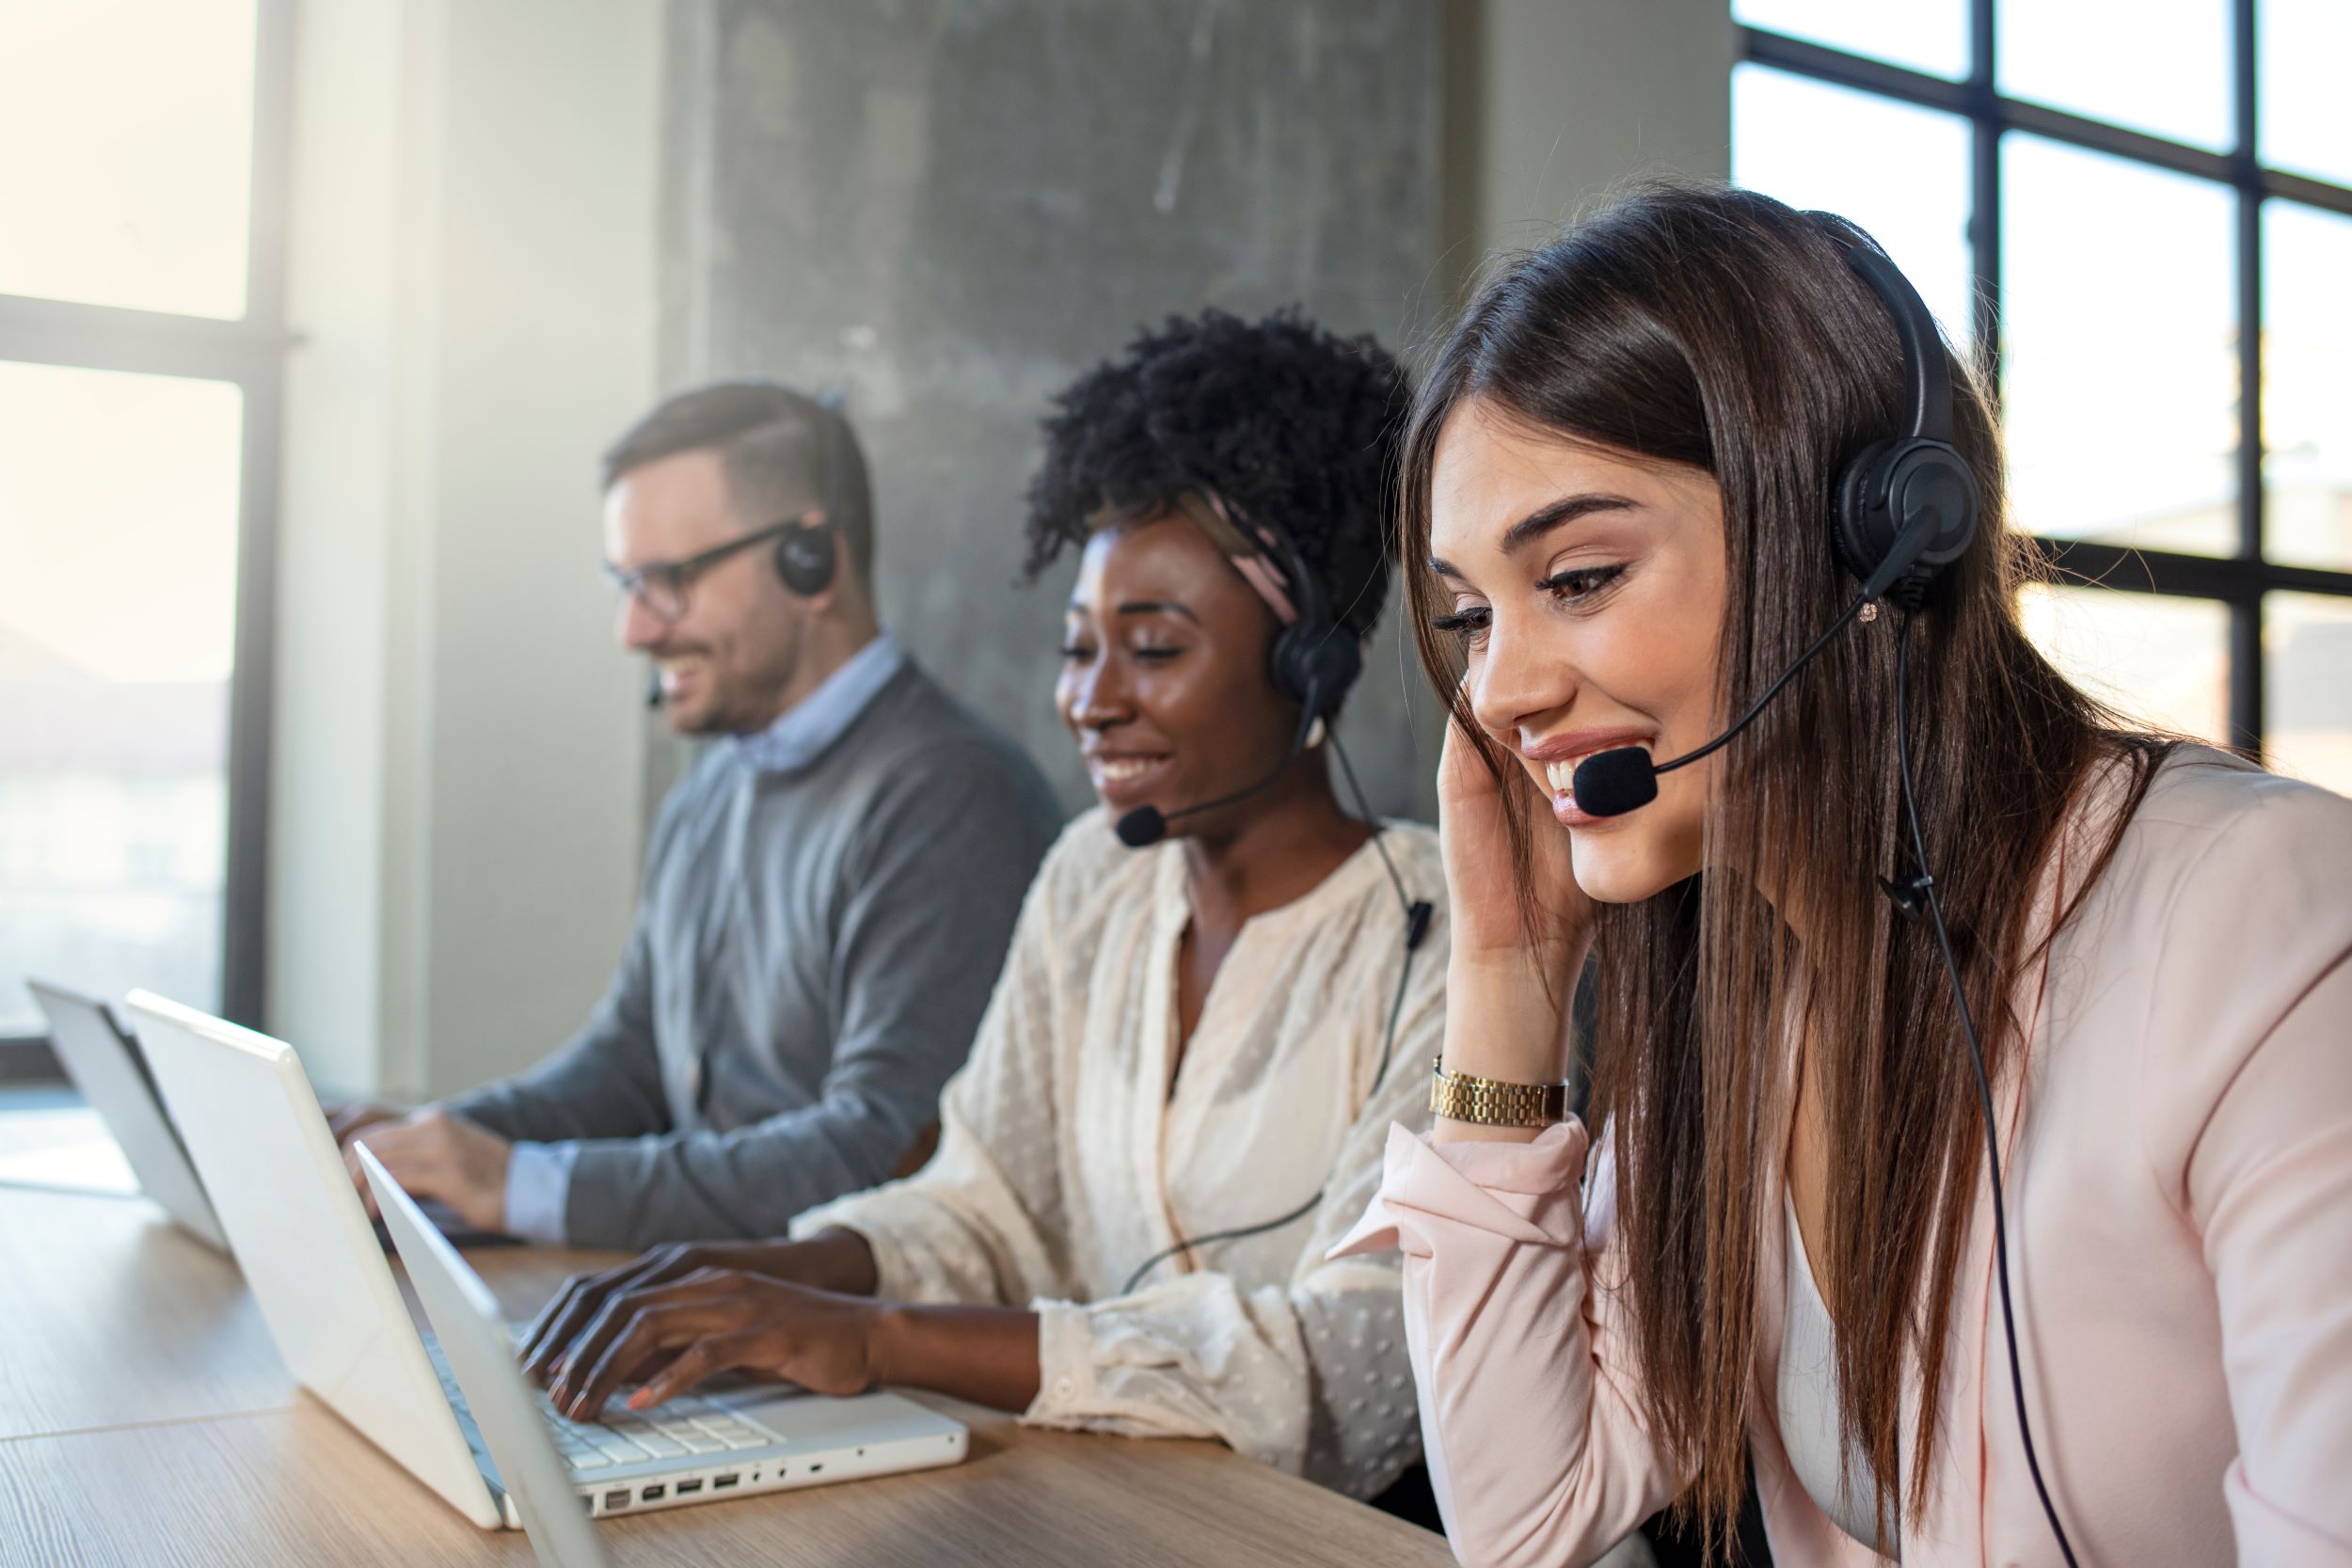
(507, 1410)
(107, 1066)
(286, 1200)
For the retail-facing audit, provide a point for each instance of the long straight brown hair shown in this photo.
(1722, 331)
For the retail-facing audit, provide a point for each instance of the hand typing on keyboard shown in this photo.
(672, 1335)
(686, 1425)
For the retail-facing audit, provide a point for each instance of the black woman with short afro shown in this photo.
(1178, 1102)
(1290, 425)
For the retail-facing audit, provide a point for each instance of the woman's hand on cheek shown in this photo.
(673, 1336)
(1507, 987)
(1482, 879)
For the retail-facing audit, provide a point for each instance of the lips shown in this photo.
(1127, 778)
(1557, 758)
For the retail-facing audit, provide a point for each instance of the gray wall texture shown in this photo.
(951, 208)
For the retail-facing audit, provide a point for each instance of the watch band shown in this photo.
(1491, 1102)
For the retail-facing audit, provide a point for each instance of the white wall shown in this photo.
(1551, 103)
(456, 797)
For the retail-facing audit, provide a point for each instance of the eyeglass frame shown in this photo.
(631, 582)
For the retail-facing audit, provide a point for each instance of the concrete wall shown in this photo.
(458, 755)
(952, 209)
(1550, 103)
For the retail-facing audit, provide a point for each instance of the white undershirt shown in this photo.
(1839, 1478)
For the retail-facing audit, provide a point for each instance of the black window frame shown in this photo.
(250, 352)
(2239, 580)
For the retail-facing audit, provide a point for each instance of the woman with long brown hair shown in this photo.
(1781, 1253)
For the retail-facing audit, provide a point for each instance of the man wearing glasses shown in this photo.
(829, 892)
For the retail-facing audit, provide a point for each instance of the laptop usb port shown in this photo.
(616, 1499)
(686, 1488)
(723, 1482)
(653, 1494)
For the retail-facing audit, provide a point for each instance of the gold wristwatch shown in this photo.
(1491, 1102)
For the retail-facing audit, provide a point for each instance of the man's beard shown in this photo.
(745, 703)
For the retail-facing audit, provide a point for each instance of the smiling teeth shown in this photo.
(1562, 775)
(1126, 768)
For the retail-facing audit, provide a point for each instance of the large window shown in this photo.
(141, 341)
(2137, 216)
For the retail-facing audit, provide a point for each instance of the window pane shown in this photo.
(2300, 47)
(2307, 386)
(2119, 325)
(2307, 687)
(1901, 172)
(1925, 34)
(119, 517)
(2160, 65)
(2164, 662)
(126, 130)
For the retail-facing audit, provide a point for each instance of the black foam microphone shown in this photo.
(653, 686)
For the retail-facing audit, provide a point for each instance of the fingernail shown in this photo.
(638, 1400)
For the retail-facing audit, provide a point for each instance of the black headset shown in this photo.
(1314, 659)
(808, 556)
(1890, 484)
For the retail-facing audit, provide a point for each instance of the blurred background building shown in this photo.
(314, 315)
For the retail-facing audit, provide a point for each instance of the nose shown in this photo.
(640, 628)
(1098, 696)
(1513, 685)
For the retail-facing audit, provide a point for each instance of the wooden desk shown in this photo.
(141, 1431)
(111, 1316)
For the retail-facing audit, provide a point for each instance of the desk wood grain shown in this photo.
(110, 1316)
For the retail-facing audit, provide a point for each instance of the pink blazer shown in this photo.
(2178, 1147)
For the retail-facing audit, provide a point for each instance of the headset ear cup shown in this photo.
(1324, 660)
(805, 560)
(1930, 474)
(1859, 534)
(1878, 491)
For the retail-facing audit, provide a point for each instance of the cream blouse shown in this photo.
(1066, 1159)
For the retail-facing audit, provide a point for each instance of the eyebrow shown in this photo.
(1158, 606)
(1546, 519)
(1140, 606)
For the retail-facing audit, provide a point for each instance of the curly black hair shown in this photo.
(1293, 426)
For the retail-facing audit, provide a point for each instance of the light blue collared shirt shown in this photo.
(539, 1175)
(810, 727)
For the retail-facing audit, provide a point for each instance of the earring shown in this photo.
(1316, 732)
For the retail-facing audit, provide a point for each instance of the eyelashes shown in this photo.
(1580, 582)
(1461, 623)
(1077, 653)
(1571, 589)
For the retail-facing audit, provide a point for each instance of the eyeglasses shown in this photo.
(660, 585)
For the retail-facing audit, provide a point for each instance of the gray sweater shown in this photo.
(812, 951)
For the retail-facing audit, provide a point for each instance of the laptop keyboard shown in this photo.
(686, 1425)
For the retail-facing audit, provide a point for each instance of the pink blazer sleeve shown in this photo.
(1530, 1413)
(2245, 1074)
